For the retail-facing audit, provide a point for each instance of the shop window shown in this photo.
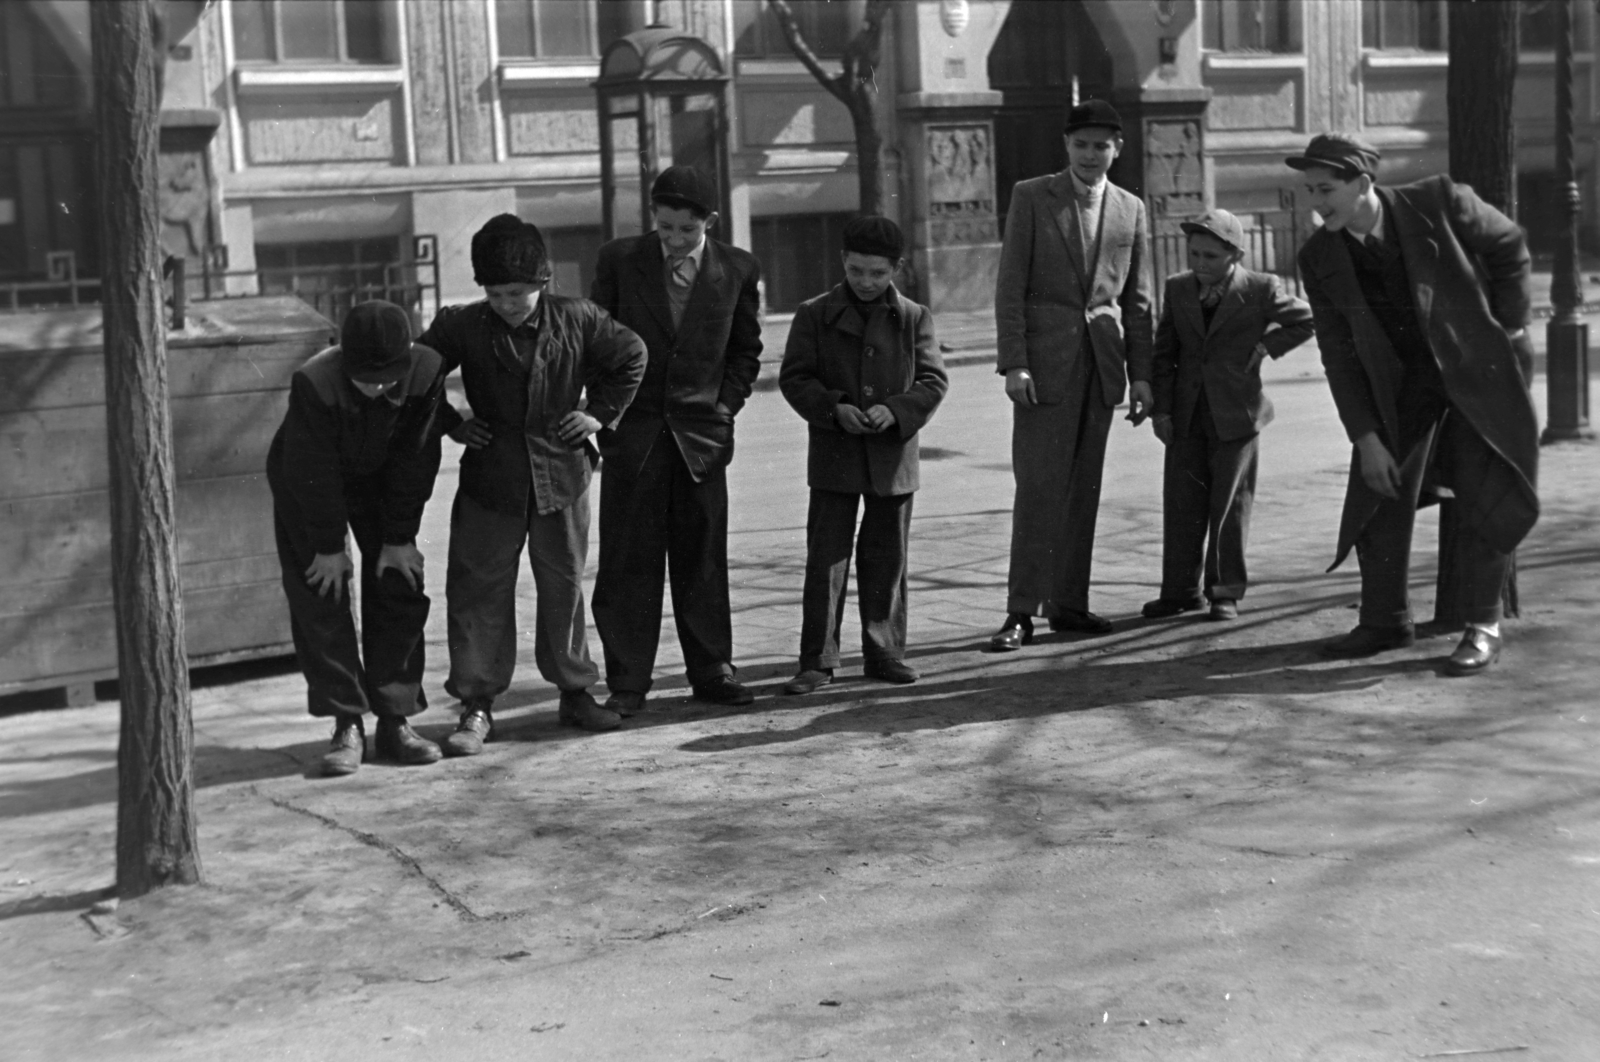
(826, 25)
(314, 31)
(1403, 25)
(572, 257)
(1271, 26)
(799, 256)
(545, 29)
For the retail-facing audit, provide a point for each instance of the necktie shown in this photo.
(683, 271)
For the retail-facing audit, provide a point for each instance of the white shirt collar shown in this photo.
(1092, 191)
(696, 255)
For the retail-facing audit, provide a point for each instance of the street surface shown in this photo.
(1186, 840)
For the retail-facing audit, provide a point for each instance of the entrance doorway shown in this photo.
(1045, 50)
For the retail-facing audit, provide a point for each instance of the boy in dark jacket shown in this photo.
(358, 448)
(864, 371)
(1219, 322)
(542, 373)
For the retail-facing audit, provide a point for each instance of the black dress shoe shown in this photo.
(475, 729)
(1082, 622)
(1478, 649)
(724, 690)
(348, 747)
(896, 671)
(1165, 608)
(396, 741)
(808, 680)
(579, 708)
(1224, 608)
(1013, 634)
(1368, 641)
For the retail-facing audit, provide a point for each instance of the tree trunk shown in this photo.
(155, 787)
(869, 149)
(1484, 37)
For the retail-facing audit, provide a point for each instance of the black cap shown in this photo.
(874, 234)
(508, 250)
(1339, 152)
(685, 188)
(375, 340)
(1093, 112)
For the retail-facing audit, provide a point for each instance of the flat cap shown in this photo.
(1340, 152)
(375, 339)
(1219, 223)
(874, 234)
(682, 187)
(1093, 112)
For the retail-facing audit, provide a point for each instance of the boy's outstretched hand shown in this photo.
(405, 559)
(576, 427)
(328, 574)
(472, 433)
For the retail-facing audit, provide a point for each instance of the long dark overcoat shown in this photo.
(831, 358)
(1469, 271)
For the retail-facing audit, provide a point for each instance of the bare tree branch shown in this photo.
(834, 83)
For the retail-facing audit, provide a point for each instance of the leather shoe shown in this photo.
(396, 741)
(475, 729)
(896, 671)
(1166, 608)
(1084, 622)
(626, 703)
(1224, 608)
(809, 680)
(580, 709)
(1478, 649)
(347, 749)
(724, 689)
(1367, 641)
(1013, 634)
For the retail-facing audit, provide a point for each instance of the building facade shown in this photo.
(329, 134)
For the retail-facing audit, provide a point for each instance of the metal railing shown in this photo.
(61, 286)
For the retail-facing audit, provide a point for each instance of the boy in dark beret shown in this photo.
(359, 449)
(694, 301)
(864, 371)
(542, 374)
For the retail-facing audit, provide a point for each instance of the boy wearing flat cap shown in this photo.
(864, 371)
(543, 374)
(1219, 323)
(1072, 316)
(359, 449)
(664, 492)
(1421, 298)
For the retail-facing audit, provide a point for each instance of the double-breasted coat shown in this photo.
(832, 357)
(1468, 268)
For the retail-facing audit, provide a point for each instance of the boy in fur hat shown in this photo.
(542, 374)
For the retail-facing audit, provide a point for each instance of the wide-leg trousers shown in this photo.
(880, 551)
(1207, 491)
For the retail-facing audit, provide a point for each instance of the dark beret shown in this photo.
(375, 339)
(874, 234)
(508, 250)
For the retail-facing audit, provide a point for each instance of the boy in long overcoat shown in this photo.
(359, 449)
(1421, 297)
(542, 373)
(695, 302)
(1219, 323)
(864, 371)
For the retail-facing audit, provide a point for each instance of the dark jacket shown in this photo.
(709, 361)
(579, 352)
(336, 445)
(1189, 355)
(835, 355)
(1468, 268)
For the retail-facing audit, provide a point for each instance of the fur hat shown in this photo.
(508, 250)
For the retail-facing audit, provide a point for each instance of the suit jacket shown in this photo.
(836, 355)
(1468, 268)
(1220, 358)
(580, 352)
(1047, 298)
(704, 368)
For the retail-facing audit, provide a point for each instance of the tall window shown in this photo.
(313, 31)
(1539, 26)
(545, 29)
(826, 25)
(1251, 25)
(1404, 25)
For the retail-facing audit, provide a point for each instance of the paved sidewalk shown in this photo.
(1186, 840)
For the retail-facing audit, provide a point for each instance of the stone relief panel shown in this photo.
(355, 129)
(1255, 104)
(960, 179)
(185, 200)
(1174, 177)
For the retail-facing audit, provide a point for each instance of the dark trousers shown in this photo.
(385, 674)
(1384, 545)
(1058, 453)
(880, 549)
(652, 521)
(481, 596)
(1208, 487)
